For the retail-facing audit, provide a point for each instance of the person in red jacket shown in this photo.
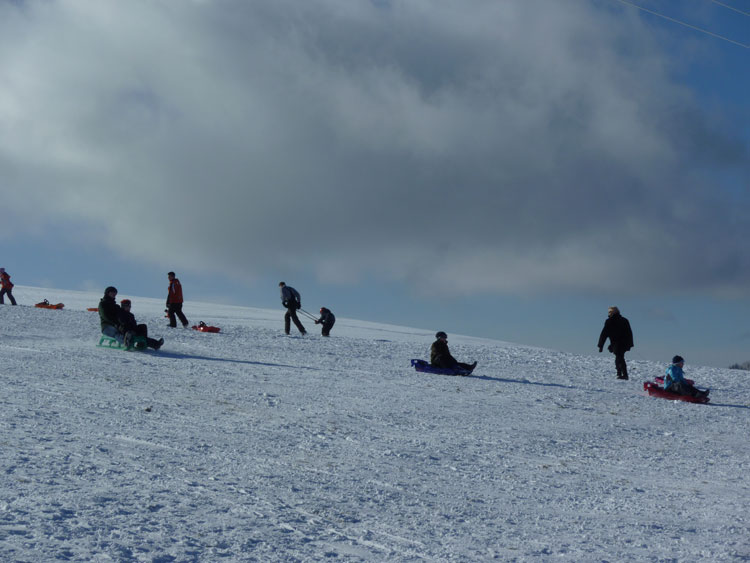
(174, 301)
(6, 287)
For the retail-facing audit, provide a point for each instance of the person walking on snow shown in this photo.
(675, 381)
(291, 299)
(617, 329)
(6, 287)
(327, 319)
(129, 324)
(174, 302)
(441, 357)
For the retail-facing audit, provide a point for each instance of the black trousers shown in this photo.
(176, 309)
(10, 296)
(327, 328)
(142, 330)
(620, 365)
(291, 314)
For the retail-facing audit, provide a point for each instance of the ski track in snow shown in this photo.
(249, 445)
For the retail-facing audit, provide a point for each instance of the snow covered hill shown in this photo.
(249, 445)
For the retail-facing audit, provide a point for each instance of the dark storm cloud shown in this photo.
(532, 144)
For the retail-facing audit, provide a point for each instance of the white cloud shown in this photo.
(531, 144)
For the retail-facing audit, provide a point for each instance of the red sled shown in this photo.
(92, 308)
(203, 327)
(655, 390)
(47, 305)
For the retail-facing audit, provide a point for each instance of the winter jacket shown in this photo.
(674, 375)
(326, 317)
(617, 329)
(440, 356)
(109, 313)
(290, 297)
(127, 321)
(175, 292)
(5, 281)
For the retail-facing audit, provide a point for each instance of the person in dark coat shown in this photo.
(174, 302)
(441, 357)
(129, 324)
(327, 319)
(617, 329)
(291, 299)
(109, 316)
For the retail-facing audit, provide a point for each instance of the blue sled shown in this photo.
(425, 367)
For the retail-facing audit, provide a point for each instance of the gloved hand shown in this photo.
(285, 304)
(317, 322)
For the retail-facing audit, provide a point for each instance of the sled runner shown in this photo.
(47, 305)
(203, 327)
(138, 343)
(425, 367)
(655, 389)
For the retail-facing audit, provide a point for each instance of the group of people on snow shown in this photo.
(119, 323)
(617, 330)
(292, 302)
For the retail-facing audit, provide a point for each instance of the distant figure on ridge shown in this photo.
(328, 319)
(675, 381)
(441, 357)
(7, 287)
(174, 301)
(617, 329)
(110, 314)
(291, 299)
(129, 324)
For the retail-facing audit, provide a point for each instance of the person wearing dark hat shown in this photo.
(617, 329)
(129, 324)
(675, 381)
(441, 357)
(327, 319)
(174, 302)
(291, 299)
(109, 315)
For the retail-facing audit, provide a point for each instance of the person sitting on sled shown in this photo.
(675, 381)
(129, 324)
(109, 315)
(327, 319)
(441, 357)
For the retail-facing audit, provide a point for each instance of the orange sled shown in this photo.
(92, 308)
(47, 305)
(203, 327)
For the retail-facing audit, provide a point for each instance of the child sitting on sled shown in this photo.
(675, 381)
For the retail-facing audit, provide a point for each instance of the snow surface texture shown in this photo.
(249, 445)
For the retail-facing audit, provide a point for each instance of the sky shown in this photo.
(500, 169)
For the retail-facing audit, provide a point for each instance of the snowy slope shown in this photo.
(250, 445)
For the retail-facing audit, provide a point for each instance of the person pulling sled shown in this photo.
(291, 299)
